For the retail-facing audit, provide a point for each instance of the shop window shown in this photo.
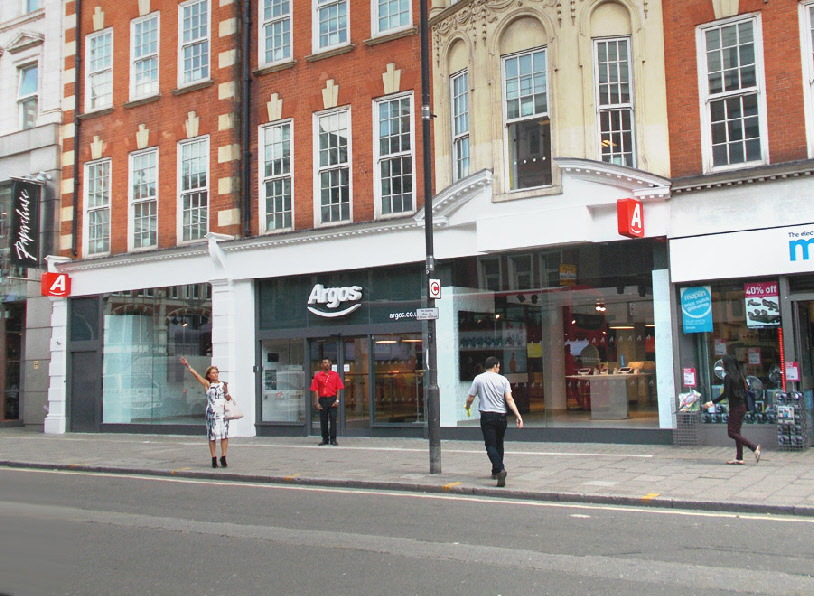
(746, 325)
(398, 378)
(145, 332)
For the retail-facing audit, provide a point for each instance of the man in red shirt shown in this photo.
(326, 386)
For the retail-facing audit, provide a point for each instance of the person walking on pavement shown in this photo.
(217, 426)
(494, 394)
(326, 387)
(735, 391)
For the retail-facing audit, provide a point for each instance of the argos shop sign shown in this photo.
(334, 302)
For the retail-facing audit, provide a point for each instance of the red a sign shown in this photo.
(630, 218)
(57, 285)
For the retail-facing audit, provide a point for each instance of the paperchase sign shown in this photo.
(334, 302)
(25, 224)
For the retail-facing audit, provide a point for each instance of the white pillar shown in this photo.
(233, 350)
(665, 355)
(56, 420)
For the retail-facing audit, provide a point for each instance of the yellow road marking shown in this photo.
(649, 496)
(448, 487)
(180, 470)
(291, 477)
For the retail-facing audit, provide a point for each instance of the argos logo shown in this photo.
(324, 302)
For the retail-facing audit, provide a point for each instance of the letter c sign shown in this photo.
(630, 218)
(56, 285)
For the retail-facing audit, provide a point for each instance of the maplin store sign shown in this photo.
(324, 302)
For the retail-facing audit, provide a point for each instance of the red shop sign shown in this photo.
(57, 285)
(630, 218)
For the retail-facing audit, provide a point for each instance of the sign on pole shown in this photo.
(426, 314)
(434, 289)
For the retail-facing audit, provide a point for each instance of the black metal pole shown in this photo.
(431, 392)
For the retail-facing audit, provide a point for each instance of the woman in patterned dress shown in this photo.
(217, 426)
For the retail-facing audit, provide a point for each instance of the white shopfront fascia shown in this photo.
(753, 253)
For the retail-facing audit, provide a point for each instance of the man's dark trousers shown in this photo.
(326, 414)
(493, 426)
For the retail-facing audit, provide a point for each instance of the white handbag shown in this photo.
(233, 411)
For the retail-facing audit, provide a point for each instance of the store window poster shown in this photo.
(762, 304)
(696, 308)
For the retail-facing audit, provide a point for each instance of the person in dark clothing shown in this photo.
(735, 392)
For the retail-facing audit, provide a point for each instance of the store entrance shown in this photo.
(804, 338)
(349, 357)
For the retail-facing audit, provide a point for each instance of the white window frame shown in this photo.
(263, 210)
(618, 107)
(460, 138)
(88, 210)
(706, 99)
(136, 60)
(135, 202)
(23, 99)
(91, 73)
(535, 116)
(807, 49)
(183, 193)
(378, 158)
(375, 25)
(280, 20)
(318, 169)
(205, 40)
(483, 277)
(326, 5)
(515, 271)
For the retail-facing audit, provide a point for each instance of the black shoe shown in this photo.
(501, 478)
(334, 443)
(322, 443)
(214, 462)
(223, 461)
(494, 475)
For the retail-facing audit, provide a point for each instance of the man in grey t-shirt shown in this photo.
(494, 394)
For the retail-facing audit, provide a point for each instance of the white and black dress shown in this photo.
(217, 426)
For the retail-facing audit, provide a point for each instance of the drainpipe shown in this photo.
(77, 63)
(245, 120)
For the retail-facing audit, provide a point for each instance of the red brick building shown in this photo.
(739, 100)
(213, 150)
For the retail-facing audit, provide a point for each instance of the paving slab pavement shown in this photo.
(643, 475)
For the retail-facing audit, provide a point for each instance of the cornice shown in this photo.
(133, 259)
(453, 197)
(754, 175)
(643, 185)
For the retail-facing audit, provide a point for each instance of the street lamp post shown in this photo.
(431, 392)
